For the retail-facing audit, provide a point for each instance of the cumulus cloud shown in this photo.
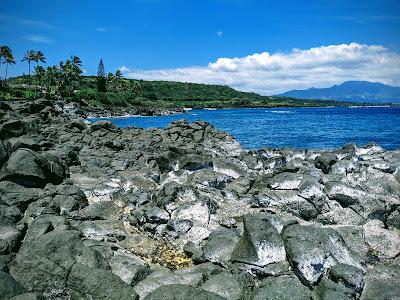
(38, 39)
(275, 73)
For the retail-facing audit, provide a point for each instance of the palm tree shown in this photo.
(8, 59)
(70, 73)
(52, 76)
(29, 56)
(118, 74)
(40, 74)
(39, 57)
(76, 61)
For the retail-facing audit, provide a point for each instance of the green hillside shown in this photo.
(163, 94)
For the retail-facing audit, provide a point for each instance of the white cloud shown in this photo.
(101, 29)
(268, 74)
(219, 33)
(38, 39)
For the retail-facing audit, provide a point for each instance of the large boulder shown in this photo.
(91, 283)
(166, 277)
(225, 285)
(12, 128)
(181, 292)
(260, 243)
(9, 287)
(286, 287)
(30, 169)
(325, 162)
(13, 194)
(382, 281)
(219, 246)
(3, 153)
(314, 250)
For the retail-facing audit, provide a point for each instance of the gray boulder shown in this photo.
(28, 296)
(260, 243)
(219, 246)
(9, 287)
(225, 285)
(329, 290)
(382, 281)
(3, 154)
(314, 250)
(181, 292)
(31, 169)
(98, 284)
(325, 162)
(12, 128)
(349, 276)
(287, 287)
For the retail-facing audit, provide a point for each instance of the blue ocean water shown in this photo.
(314, 128)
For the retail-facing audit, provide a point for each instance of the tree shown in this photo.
(6, 57)
(52, 76)
(40, 73)
(29, 56)
(101, 77)
(70, 73)
(39, 57)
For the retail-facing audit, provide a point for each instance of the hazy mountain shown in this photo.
(353, 91)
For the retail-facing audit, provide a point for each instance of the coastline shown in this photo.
(186, 204)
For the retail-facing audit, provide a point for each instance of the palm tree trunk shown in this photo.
(30, 79)
(5, 77)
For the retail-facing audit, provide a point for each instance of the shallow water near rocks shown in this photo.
(316, 128)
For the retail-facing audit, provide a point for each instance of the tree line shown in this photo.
(61, 80)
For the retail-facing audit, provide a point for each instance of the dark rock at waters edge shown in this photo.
(109, 112)
(92, 211)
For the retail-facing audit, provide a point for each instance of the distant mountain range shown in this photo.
(352, 91)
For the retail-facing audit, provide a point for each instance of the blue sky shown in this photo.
(176, 35)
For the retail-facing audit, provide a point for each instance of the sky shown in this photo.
(267, 47)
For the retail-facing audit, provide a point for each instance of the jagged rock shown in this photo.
(287, 200)
(156, 215)
(219, 246)
(384, 242)
(181, 292)
(329, 290)
(325, 162)
(365, 204)
(287, 181)
(31, 169)
(165, 277)
(3, 154)
(225, 285)
(9, 287)
(349, 276)
(28, 296)
(12, 128)
(129, 268)
(260, 243)
(10, 237)
(314, 250)
(97, 284)
(102, 124)
(44, 262)
(382, 281)
(282, 288)
(22, 142)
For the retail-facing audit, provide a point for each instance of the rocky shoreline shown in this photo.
(111, 112)
(92, 211)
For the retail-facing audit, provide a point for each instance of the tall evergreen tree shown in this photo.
(101, 77)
